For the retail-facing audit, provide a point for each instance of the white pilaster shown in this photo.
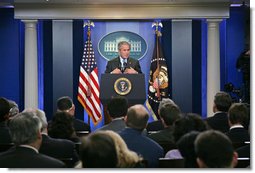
(213, 62)
(31, 69)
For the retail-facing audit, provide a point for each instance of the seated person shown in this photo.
(66, 104)
(4, 118)
(214, 150)
(57, 148)
(117, 109)
(25, 130)
(61, 127)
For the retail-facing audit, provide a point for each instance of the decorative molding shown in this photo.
(122, 11)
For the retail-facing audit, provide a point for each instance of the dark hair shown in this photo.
(214, 148)
(61, 126)
(170, 113)
(238, 113)
(4, 109)
(117, 107)
(188, 123)
(98, 151)
(186, 147)
(222, 101)
(64, 103)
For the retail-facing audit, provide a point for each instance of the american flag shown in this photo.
(88, 90)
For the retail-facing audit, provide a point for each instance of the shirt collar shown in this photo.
(29, 146)
(236, 126)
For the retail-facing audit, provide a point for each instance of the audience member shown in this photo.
(125, 157)
(136, 121)
(25, 129)
(62, 127)
(219, 121)
(168, 113)
(187, 149)
(66, 104)
(117, 109)
(57, 148)
(214, 150)
(237, 116)
(157, 125)
(189, 122)
(98, 150)
(14, 108)
(4, 117)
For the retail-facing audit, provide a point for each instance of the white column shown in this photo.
(31, 70)
(213, 62)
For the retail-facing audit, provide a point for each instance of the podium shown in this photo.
(131, 86)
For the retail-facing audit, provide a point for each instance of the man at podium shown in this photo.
(123, 63)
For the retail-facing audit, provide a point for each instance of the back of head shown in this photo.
(14, 108)
(117, 107)
(4, 109)
(170, 113)
(189, 122)
(98, 151)
(222, 101)
(64, 103)
(41, 115)
(24, 128)
(187, 148)
(137, 117)
(238, 114)
(214, 149)
(61, 126)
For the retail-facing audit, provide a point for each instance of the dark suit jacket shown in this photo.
(165, 135)
(115, 63)
(219, 122)
(58, 148)
(149, 149)
(5, 136)
(238, 134)
(155, 126)
(116, 125)
(22, 157)
(80, 125)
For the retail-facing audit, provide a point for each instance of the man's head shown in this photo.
(66, 104)
(169, 112)
(238, 114)
(42, 117)
(25, 129)
(117, 107)
(14, 108)
(137, 117)
(98, 150)
(4, 109)
(214, 150)
(222, 102)
(124, 49)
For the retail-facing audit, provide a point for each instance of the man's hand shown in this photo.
(130, 71)
(116, 71)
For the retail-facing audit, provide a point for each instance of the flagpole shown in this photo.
(158, 34)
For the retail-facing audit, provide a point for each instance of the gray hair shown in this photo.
(24, 128)
(41, 115)
(165, 101)
(123, 43)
